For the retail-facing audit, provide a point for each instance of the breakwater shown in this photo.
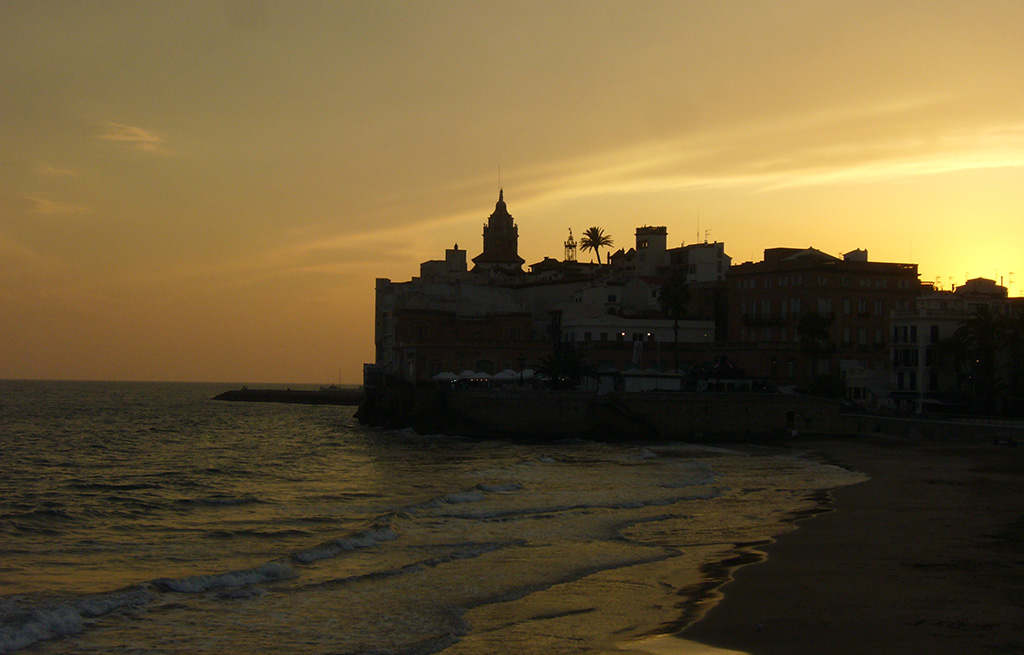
(325, 396)
(575, 414)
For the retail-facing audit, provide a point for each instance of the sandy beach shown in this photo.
(925, 557)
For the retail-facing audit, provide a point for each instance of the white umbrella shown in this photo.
(445, 376)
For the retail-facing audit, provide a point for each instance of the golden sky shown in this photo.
(206, 190)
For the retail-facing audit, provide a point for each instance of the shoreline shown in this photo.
(925, 556)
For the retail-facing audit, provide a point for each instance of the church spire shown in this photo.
(501, 240)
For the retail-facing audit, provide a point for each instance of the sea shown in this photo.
(148, 518)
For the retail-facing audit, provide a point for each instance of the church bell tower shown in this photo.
(501, 241)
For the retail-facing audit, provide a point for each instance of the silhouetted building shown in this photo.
(931, 370)
(496, 317)
(808, 319)
(501, 242)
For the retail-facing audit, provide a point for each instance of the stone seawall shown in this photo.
(652, 415)
(942, 429)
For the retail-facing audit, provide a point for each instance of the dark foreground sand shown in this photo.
(926, 557)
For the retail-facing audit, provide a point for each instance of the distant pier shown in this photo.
(322, 396)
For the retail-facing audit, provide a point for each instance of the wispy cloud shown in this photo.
(54, 208)
(136, 138)
(55, 171)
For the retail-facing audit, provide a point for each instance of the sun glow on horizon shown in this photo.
(226, 216)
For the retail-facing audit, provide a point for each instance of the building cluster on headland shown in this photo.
(655, 318)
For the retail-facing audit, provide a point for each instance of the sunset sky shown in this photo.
(205, 191)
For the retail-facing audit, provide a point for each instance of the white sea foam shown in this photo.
(269, 572)
(334, 548)
(39, 626)
(65, 619)
(498, 488)
(472, 496)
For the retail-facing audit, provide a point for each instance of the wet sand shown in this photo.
(926, 557)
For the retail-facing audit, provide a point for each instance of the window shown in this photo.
(612, 297)
(879, 308)
(933, 337)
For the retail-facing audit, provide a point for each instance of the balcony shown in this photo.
(765, 319)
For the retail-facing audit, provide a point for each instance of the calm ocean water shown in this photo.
(147, 518)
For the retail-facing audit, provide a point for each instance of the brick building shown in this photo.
(802, 318)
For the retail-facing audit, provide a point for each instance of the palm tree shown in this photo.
(594, 239)
(565, 369)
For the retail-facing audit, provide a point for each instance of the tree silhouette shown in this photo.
(674, 296)
(675, 301)
(594, 239)
(813, 332)
(1013, 342)
(982, 337)
(565, 369)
